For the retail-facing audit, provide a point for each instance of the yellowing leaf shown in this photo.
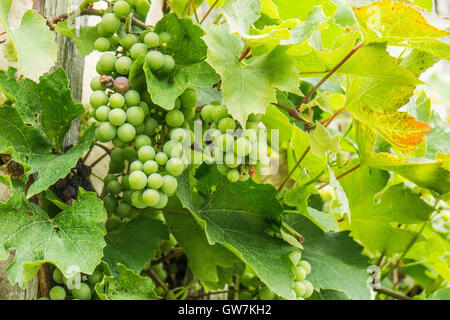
(399, 24)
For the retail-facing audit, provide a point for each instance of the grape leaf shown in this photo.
(424, 172)
(336, 260)
(287, 10)
(33, 42)
(274, 119)
(322, 143)
(134, 244)
(128, 286)
(248, 88)
(183, 7)
(74, 238)
(241, 14)
(375, 224)
(399, 24)
(84, 38)
(418, 61)
(237, 216)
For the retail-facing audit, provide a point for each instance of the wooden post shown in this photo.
(73, 63)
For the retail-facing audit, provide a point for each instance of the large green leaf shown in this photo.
(33, 42)
(336, 260)
(134, 244)
(238, 216)
(248, 87)
(72, 239)
(287, 10)
(241, 14)
(84, 38)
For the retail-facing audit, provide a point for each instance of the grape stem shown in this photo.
(341, 176)
(392, 293)
(209, 11)
(245, 53)
(158, 280)
(293, 112)
(328, 75)
(195, 10)
(107, 150)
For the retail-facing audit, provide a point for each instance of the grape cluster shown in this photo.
(67, 187)
(235, 151)
(85, 291)
(303, 288)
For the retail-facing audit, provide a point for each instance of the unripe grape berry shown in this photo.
(169, 64)
(189, 98)
(105, 132)
(188, 113)
(155, 181)
(299, 288)
(251, 125)
(242, 147)
(113, 223)
(173, 149)
(233, 175)
(102, 44)
(151, 125)
(108, 62)
(137, 50)
(135, 116)
(309, 289)
(150, 166)
(142, 140)
(162, 202)
(124, 210)
(96, 84)
(130, 154)
(155, 60)
(117, 117)
(101, 114)
(266, 294)
(57, 293)
(255, 117)
(179, 134)
(126, 132)
(226, 124)
(136, 200)
(136, 165)
(132, 98)
(114, 188)
(151, 197)
(299, 273)
(125, 183)
(98, 98)
(175, 167)
(206, 113)
(137, 180)
(116, 100)
(110, 204)
(126, 196)
(95, 278)
(128, 41)
(225, 142)
(58, 276)
(174, 118)
(82, 293)
(306, 266)
(170, 185)
(110, 24)
(219, 113)
(164, 38)
(223, 169)
(151, 39)
(146, 153)
(161, 158)
(142, 7)
(121, 8)
(121, 85)
(123, 65)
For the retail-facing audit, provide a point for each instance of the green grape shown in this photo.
(245, 175)
(117, 155)
(309, 289)
(58, 276)
(188, 113)
(251, 135)
(179, 134)
(151, 39)
(299, 273)
(130, 154)
(121, 8)
(146, 153)
(116, 100)
(95, 277)
(98, 68)
(82, 293)
(173, 149)
(169, 64)
(155, 181)
(98, 98)
(150, 166)
(110, 24)
(114, 188)
(174, 118)
(108, 178)
(123, 210)
(113, 223)
(161, 158)
(123, 65)
(223, 169)
(246, 280)
(219, 113)
(164, 38)
(233, 175)
(162, 202)
(135, 116)
(306, 266)
(299, 288)
(170, 185)
(102, 44)
(136, 200)
(252, 125)
(137, 180)
(126, 196)
(242, 147)
(118, 143)
(126, 132)
(142, 140)
(189, 98)
(101, 114)
(110, 204)
(105, 132)
(151, 197)
(155, 60)
(128, 41)
(255, 117)
(142, 7)
(116, 167)
(266, 294)
(57, 293)
(96, 84)
(137, 50)
(44, 298)
(108, 62)
(144, 106)
(140, 129)
(151, 125)
(124, 183)
(117, 117)
(226, 124)
(245, 296)
(206, 113)
(115, 41)
(225, 142)
(132, 98)
(177, 104)
(136, 165)
(175, 167)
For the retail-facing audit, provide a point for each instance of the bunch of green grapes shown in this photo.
(85, 290)
(303, 288)
(235, 151)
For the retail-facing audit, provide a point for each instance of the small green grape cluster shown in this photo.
(303, 288)
(85, 290)
(235, 151)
